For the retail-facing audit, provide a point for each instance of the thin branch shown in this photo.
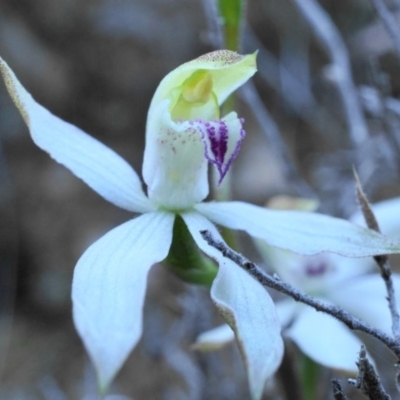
(340, 71)
(285, 288)
(382, 260)
(337, 390)
(389, 23)
(368, 380)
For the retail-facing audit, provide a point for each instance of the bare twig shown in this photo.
(389, 23)
(382, 260)
(368, 380)
(285, 288)
(337, 390)
(340, 72)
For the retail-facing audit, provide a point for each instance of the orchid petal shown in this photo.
(325, 340)
(366, 297)
(316, 273)
(97, 165)
(344, 268)
(176, 155)
(109, 287)
(214, 339)
(174, 166)
(299, 231)
(228, 70)
(222, 140)
(250, 311)
(247, 308)
(286, 310)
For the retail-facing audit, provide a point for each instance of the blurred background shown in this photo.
(319, 105)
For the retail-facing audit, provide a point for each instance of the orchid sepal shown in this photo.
(97, 165)
(229, 70)
(246, 306)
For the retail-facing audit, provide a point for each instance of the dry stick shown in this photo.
(368, 380)
(326, 32)
(382, 261)
(389, 23)
(337, 390)
(285, 288)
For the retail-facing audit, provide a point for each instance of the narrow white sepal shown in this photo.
(299, 231)
(325, 340)
(214, 339)
(247, 308)
(109, 285)
(250, 312)
(96, 164)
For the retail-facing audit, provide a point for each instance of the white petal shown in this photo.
(97, 165)
(365, 297)
(325, 340)
(312, 274)
(286, 310)
(299, 231)
(214, 339)
(248, 309)
(251, 313)
(174, 166)
(109, 288)
(196, 223)
(345, 268)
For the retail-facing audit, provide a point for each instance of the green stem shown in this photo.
(309, 376)
(231, 14)
(185, 259)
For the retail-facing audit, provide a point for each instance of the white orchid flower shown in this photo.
(184, 132)
(353, 284)
(346, 282)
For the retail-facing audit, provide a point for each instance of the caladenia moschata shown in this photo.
(184, 133)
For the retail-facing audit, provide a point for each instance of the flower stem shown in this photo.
(309, 375)
(185, 259)
(231, 13)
